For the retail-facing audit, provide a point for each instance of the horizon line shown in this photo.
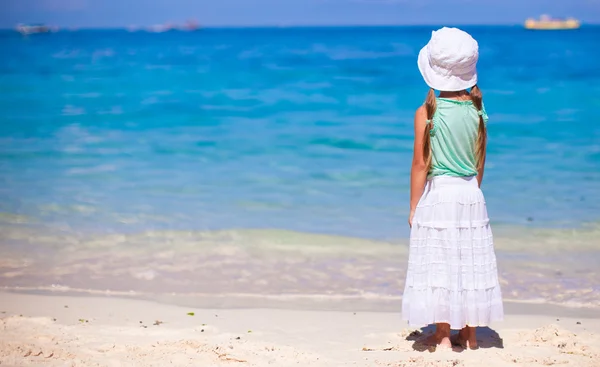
(136, 27)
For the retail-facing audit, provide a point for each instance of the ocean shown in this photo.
(274, 162)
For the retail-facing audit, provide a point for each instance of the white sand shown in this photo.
(88, 331)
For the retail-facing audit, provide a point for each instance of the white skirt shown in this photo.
(452, 275)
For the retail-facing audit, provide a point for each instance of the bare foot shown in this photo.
(466, 338)
(462, 338)
(441, 336)
(472, 340)
(445, 343)
(438, 339)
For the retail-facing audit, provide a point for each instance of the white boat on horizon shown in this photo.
(547, 23)
(190, 25)
(26, 29)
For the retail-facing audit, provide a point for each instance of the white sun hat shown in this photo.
(449, 61)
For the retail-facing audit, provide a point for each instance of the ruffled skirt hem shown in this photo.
(452, 274)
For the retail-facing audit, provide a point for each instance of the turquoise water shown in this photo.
(304, 129)
(111, 133)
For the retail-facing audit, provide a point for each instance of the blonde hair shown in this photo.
(480, 145)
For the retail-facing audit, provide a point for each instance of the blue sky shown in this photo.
(115, 13)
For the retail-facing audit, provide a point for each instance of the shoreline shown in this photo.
(86, 331)
(553, 266)
(527, 227)
(297, 302)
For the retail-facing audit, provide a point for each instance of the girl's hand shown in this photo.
(410, 218)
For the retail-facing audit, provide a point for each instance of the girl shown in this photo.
(452, 279)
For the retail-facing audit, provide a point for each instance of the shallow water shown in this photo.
(129, 160)
(278, 265)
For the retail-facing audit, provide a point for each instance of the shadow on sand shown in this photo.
(486, 338)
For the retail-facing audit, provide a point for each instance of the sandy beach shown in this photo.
(239, 196)
(56, 330)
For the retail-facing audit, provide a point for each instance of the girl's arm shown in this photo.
(418, 172)
(480, 172)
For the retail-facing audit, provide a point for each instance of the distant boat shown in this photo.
(190, 25)
(25, 29)
(547, 23)
(160, 28)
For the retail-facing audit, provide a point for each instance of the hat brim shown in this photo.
(446, 83)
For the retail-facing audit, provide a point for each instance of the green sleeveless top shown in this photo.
(453, 137)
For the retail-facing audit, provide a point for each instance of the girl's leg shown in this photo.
(472, 341)
(443, 331)
(441, 336)
(467, 337)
